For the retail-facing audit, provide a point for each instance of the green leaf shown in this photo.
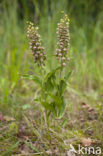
(68, 75)
(57, 100)
(62, 86)
(47, 105)
(50, 80)
(35, 78)
(48, 85)
(37, 100)
(59, 111)
(51, 73)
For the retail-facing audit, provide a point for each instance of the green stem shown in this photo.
(43, 95)
(60, 75)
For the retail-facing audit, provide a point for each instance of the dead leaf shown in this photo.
(90, 109)
(84, 105)
(8, 118)
(87, 142)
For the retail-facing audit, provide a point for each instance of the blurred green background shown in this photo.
(86, 47)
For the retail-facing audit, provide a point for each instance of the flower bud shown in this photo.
(63, 64)
(60, 54)
(34, 47)
(63, 58)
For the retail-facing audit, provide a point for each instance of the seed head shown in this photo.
(35, 45)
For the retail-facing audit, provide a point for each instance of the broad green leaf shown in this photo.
(47, 105)
(48, 85)
(62, 109)
(62, 86)
(35, 78)
(51, 73)
(50, 80)
(57, 100)
(59, 111)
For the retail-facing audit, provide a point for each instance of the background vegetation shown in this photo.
(85, 89)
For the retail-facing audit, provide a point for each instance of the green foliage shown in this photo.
(52, 91)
